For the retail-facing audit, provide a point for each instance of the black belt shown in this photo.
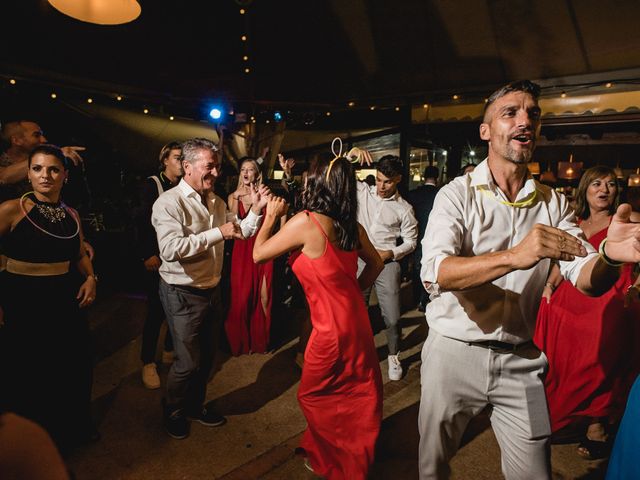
(498, 346)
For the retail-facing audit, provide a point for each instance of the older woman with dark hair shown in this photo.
(341, 387)
(45, 352)
(590, 341)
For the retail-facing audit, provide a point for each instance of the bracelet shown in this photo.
(604, 257)
(550, 285)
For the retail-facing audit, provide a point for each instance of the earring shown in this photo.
(66, 180)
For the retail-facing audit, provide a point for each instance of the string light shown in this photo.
(372, 108)
(455, 97)
(89, 100)
(12, 81)
(247, 70)
(397, 109)
(563, 95)
(351, 104)
(146, 110)
(242, 11)
(243, 38)
(245, 58)
(328, 114)
(426, 105)
(608, 85)
(119, 98)
(53, 95)
(171, 118)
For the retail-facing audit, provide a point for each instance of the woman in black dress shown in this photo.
(46, 362)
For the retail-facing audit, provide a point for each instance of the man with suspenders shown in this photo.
(170, 167)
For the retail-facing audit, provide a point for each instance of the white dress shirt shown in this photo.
(387, 219)
(468, 219)
(190, 242)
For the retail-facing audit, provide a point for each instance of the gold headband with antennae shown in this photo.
(353, 155)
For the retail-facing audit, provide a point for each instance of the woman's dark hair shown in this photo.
(334, 195)
(593, 173)
(48, 149)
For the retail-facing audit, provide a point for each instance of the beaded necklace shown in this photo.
(52, 213)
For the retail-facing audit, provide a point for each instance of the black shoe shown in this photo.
(208, 417)
(176, 424)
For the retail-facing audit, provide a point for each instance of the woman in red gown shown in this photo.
(341, 387)
(248, 321)
(590, 341)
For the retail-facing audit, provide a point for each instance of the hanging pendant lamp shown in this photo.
(101, 12)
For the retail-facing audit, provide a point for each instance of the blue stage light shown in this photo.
(215, 113)
(277, 116)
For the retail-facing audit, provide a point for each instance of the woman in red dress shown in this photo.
(249, 319)
(590, 341)
(341, 387)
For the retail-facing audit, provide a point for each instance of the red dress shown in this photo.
(248, 324)
(590, 343)
(341, 386)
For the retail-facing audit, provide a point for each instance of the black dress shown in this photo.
(46, 360)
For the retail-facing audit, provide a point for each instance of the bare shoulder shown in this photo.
(10, 209)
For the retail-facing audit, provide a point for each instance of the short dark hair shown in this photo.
(526, 86)
(390, 166)
(48, 149)
(165, 151)
(431, 171)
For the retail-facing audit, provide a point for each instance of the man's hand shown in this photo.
(259, 198)
(231, 230)
(72, 153)
(385, 255)
(277, 207)
(544, 241)
(152, 264)
(623, 237)
(361, 155)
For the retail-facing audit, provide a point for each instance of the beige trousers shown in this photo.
(459, 381)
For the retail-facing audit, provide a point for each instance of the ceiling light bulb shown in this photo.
(119, 98)
(456, 97)
(243, 38)
(146, 111)
(101, 12)
(563, 95)
(609, 85)
(53, 95)
(89, 100)
(171, 117)
(351, 104)
(12, 81)
(328, 114)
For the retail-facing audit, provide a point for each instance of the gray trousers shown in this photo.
(189, 314)
(459, 381)
(388, 291)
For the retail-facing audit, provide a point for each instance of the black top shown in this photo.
(147, 240)
(28, 243)
(422, 201)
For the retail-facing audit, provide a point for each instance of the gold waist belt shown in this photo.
(37, 269)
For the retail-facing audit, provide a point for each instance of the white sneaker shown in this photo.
(395, 369)
(150, 376)
(167, 357)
